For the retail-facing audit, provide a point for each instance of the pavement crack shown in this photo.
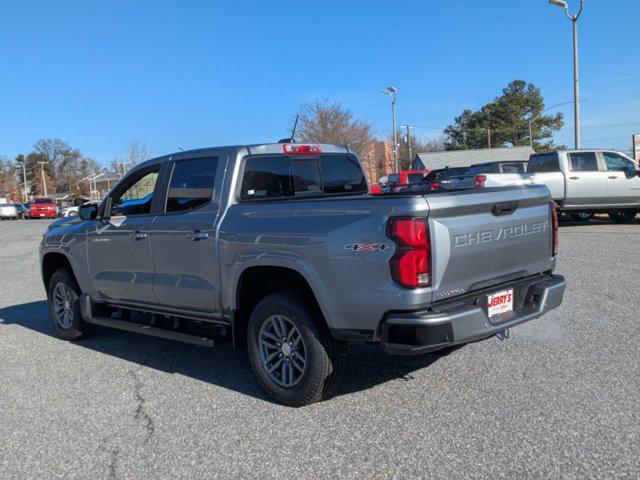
(141, 413)
(113, 463)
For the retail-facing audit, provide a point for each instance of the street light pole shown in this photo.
(24, 180)
(391, 92)
(576, 87)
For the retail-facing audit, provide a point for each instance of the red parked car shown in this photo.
(396, 182)
(43, 207)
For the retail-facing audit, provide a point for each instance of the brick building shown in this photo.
(378, 161)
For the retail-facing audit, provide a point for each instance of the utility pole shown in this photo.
(488, 138)
(24, 181)
(409, 144)
(576, 88)
(44, 183)
(534, 118)
(408, 127)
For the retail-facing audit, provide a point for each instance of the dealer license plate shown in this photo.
(500, 302)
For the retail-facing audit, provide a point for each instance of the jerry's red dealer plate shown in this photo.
(500, 303)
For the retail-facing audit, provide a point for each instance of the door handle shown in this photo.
(137, 235)
(574, 178)
(197, 235)
(613, 177)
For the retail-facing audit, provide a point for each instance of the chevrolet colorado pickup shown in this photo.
(281, 248)
(582, 182)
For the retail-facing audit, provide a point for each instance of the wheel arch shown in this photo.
(255, 283)
(51, 262)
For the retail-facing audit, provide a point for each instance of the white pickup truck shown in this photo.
(582, 182)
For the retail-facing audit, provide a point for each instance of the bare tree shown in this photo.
(136, 152)
(7, 178)
(321, 122)
(115, 165)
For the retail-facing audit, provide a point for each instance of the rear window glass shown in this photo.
(394, 178)
(512, 168)
(342, 174)
(414, 177)
(479, 169)
(306, 176)
(43, 200)
(544, 163)
(285, 176)
(266, 177)
(583, 162)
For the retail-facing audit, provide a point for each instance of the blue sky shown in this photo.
(200, 73)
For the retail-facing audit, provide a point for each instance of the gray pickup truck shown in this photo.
(281, 248)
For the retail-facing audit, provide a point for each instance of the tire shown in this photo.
(582, 216)
(64, 307)
(323, 359)
(623, 216)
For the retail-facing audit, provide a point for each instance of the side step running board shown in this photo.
(152, 331)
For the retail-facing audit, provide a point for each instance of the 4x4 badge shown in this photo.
(371, 247)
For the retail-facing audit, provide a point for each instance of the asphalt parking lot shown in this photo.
(559, 399)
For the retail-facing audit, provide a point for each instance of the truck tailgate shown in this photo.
(486, 237)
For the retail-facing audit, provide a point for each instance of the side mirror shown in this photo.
(88, 211)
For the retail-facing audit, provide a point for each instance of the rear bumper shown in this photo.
(42, 214)
(416, 333)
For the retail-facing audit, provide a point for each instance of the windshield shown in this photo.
(43, 200)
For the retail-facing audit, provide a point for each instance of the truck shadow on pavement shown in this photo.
(221, 365)
(603, 220)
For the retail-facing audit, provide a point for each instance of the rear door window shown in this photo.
(583, 162)
(191, 184)
(547, 162)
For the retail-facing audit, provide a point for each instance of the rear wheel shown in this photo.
(64, 307)
(292, 353)
(582, 216)
(623, 216)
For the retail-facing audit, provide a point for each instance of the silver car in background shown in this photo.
(69, 211)
(9, 211)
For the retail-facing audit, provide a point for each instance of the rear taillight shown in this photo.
(293, 149)
(554, 226)
(435, 185)
(411, 264)
(480, 179)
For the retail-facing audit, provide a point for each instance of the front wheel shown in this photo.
(623, 216)
(291, 351)
(64, 307)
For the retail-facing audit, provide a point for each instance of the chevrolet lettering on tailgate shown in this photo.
(504, 233)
